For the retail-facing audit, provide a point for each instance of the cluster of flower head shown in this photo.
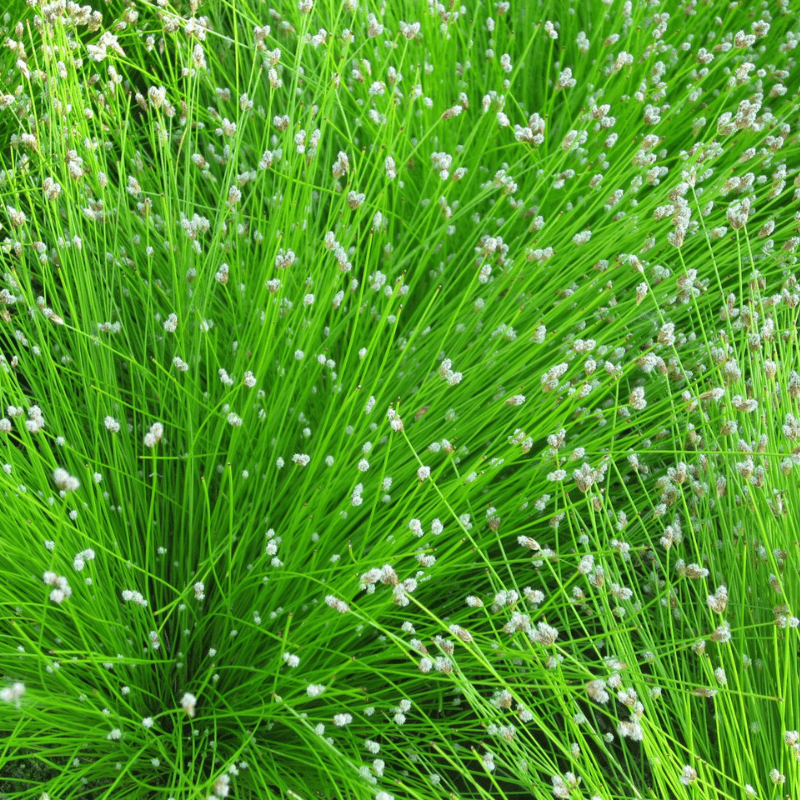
(62, 589)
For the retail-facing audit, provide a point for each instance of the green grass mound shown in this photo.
(399, 401)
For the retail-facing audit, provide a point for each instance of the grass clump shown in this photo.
(399, 402)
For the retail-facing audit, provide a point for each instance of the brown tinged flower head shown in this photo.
(718, 601)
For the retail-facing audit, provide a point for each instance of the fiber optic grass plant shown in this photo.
(399, 401)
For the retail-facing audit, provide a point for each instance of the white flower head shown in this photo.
(12, 694)
(188, 702)
(65, 481)
(153, 436)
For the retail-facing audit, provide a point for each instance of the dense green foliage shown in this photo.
(399, 401)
